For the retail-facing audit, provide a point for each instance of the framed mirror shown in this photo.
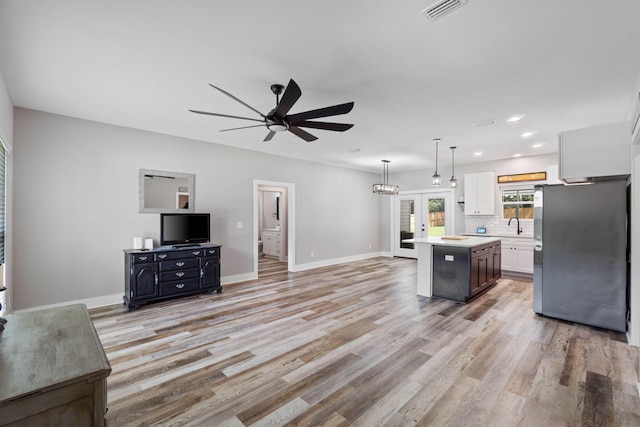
(166, 192)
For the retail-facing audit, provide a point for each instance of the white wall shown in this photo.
(76, 204)
(6, 115)
(6, 136)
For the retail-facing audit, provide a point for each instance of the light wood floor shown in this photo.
(353, 345)
(269, 266)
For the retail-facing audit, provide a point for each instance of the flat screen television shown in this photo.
(181, 229)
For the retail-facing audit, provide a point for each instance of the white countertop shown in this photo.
(470, 242)
(504, 236)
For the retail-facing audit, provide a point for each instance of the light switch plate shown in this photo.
(239, 225)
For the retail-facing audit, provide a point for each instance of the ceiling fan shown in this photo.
(277, 120)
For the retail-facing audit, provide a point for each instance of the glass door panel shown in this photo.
(420, 215)
(407, 211)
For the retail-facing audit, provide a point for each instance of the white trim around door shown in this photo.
(290, 219)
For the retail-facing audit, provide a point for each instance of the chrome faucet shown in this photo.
(519, 230)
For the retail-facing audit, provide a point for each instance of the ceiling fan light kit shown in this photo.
(278, 119)
(385, 188)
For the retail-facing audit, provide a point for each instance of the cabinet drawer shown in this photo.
(479, 251)
(211, 252)
(179, 264)
(179, 274)
(496, 246)
(142, 258)
(178, 286)
(169, 255)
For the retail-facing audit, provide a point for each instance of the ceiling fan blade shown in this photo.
(334, 110)
(243, 127)
(302, 134)
(236, 99)
(291, 95)
(225, 115)
(269, 136)
(338, 127)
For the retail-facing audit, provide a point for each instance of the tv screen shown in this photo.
(184, 229)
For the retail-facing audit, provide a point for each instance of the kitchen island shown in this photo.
(457, 267)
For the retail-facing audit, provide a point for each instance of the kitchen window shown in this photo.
(517, 202)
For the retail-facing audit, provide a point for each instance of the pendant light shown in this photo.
(436, 175)
(385, 188)
(453, 182)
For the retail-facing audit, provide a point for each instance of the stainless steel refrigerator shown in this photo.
(580, 253)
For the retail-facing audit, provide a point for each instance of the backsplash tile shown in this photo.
(496, 225)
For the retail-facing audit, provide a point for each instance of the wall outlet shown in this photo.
(239, 225)
(369, 245)
(312, 254)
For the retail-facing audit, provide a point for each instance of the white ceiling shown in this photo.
(565, 64)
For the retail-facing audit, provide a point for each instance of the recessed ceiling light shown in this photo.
(515, 119)
(527, 134)
(517, 155)
(537, 145)
(478, 153)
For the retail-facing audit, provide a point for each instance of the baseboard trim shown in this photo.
(96, 302)
(334, 261)
(226, 280)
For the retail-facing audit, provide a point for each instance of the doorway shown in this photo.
(427, 214)
(273, 225)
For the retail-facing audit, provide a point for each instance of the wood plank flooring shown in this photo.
(352, 344)
(268, 266)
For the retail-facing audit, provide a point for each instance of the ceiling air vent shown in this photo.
(441, 8)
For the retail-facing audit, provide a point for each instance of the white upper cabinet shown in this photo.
(600, 151)
(480, 193)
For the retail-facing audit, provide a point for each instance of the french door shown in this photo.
(418, 215)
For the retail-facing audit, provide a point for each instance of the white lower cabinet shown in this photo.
(271, 243)
(517, 255)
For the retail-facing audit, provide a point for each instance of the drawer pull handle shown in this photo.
(143, 258)
(196, 252)
(180, 273)
(162, 256)
(180, 285)
(179, 263)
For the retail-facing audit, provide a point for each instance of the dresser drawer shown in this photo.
(179, 264)
(188, 253)
(142, 258)
(179, 274)
(211, 252)
(178, 287)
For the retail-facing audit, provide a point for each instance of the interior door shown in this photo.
(418, 215)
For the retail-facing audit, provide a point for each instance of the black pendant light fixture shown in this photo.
(453, 182)
(436, 176)
(385, 188)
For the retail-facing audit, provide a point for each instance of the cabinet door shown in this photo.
(496, 264)
(210, 272)
(480, 193)
(471, 194)
(509, 259)
(486, 193)
(583, 154)
(269, 245)
(524, 259)
(145, 281)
